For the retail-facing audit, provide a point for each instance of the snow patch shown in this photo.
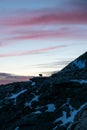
(35, 98)
(39, 107)
(17, 128)
(69, 119)
(81, 81)
(33, 84)
(14, 96)
(55, 128)
(37, 112)
(51, 108)
(80, 64)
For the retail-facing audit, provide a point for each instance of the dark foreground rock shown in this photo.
(28, 107)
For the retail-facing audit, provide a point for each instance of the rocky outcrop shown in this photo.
(80, 121)
(25, 106)
(77, 69)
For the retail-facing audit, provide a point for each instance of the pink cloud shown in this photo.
(30, 52)
(63, 32)
(66, 32)
(52, 17)
(14, 26)
(2, 43)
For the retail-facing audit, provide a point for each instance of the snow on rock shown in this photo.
(37, 108)
(80, 64)
(67, 104)
(17, 128)
(51, 108)
(37, 112)
(81, 81)
(35, 98)
(17, 94)
(14, 96)
(69, 119)
(55, 128)
(33, 84)
(64, 118)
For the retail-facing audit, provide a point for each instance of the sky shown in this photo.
(40, 36)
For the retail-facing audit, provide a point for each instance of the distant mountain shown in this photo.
(6, 78)
(58, 102)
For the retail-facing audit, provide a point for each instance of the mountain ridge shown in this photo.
(77, 69)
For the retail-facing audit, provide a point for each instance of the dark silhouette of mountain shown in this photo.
(58, 102)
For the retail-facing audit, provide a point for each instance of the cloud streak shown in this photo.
(23, 27)
(31, 52)
(60, 32)
(53, 17)
(51, 64)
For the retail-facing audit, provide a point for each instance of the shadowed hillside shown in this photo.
(58, 102)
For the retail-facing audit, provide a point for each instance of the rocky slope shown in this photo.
(75, 70)
(53, 103)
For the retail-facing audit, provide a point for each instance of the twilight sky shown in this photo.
(40, 36)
